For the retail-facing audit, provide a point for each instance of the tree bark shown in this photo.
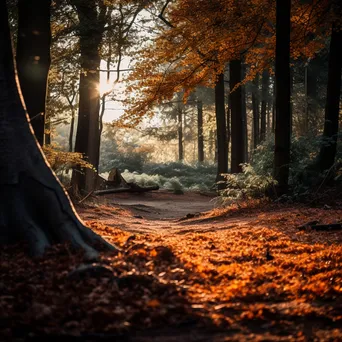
(244, 114)
(228, 121)
(35, 208)
(237, 129)
(328, 148)
(222, 148)
(180, 133)
(71, 132)
(263, 114)
(87, 135)
(283, 96)
(33, 59)
(256, 114)
(200, 143)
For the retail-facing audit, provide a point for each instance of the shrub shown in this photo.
(246, 185)
(61, 162)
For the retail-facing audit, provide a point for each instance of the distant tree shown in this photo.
(200, 140)
(34, 208)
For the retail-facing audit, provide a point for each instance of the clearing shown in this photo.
(233, 274)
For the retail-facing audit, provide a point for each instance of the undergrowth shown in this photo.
(173, 176)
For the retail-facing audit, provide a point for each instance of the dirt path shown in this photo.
(163, 205)
(165, 213)
(154, 212)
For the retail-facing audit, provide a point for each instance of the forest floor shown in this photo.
(187, 272)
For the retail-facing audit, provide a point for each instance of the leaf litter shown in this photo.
(265, 279)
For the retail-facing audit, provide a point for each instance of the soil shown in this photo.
(157, 212)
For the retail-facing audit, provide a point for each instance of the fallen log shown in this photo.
(321, 227)
(327, 227)
(135, 188)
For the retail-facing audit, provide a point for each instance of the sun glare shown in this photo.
(105, 87)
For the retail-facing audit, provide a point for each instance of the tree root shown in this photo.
(33, 213)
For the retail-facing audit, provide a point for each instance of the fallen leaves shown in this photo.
(218, 279)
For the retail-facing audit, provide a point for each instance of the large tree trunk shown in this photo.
(237, 129)
(34, 208)
(328, 149)
(88, 127)
(222, 148)
(33, 59)
(200, 144)
(283, 96)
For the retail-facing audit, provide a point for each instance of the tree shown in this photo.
(222, 146)
(33, 59)
(255, 105)
(283, 96)
(200, 143)
(95, 19)
(180, 131)
(328, 148)
(263, 112)
(91, 25)
(35, 208)
(237, 127)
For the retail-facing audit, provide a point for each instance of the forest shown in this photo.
(170, 170)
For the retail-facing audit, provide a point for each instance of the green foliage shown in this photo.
(246, 185)
(177, 177)
(172, 184)
(304, 151)
(305, 177)
(193, 177)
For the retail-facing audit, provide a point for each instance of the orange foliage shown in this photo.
(205, 35)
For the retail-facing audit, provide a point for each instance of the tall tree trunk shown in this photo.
(71, 132)
(200, 144)
(212, 145)
(228, 119)
(328, 148)
(180, 133)
(268, 118)
(244, 113)
(311, 98)
(33, 59)
(273, 106)
(87, 135)
(222, 149)
(36, 209)
(256, 114)
(263, 114)
(237, 129)
(283, 96)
